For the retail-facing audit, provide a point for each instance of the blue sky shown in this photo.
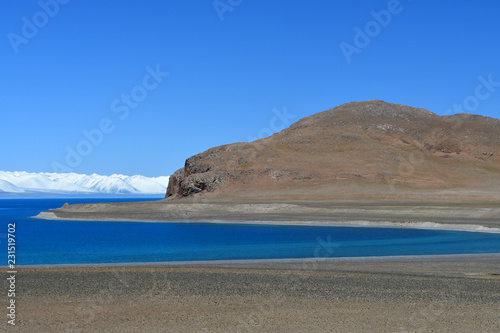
(136, 87)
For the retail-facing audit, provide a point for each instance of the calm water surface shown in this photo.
(40, 242)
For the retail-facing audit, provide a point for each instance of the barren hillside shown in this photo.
(367, 148)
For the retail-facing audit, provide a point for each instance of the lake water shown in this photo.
(40, 242)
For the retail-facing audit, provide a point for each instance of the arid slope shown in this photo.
(361, 149)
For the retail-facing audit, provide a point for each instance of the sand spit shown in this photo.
(479, 217)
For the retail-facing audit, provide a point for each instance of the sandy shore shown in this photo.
(454, 294)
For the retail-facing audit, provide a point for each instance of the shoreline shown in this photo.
(235, 262)
(48, 215)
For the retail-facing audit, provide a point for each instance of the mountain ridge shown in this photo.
(21, 182)
(358, 147)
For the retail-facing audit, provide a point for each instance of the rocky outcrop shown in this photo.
(184, 184)
(207, 171)
(354, 147)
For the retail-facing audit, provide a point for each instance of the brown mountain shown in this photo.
(369, 149)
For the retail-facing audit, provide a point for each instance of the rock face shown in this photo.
(212, 169)
(360, 146)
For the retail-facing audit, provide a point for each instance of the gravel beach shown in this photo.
(447, 294)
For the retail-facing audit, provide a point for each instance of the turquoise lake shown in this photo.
(41, 242)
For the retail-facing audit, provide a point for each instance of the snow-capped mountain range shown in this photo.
(20, 182)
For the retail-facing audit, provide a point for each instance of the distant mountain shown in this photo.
(20, 182)
(369, 149)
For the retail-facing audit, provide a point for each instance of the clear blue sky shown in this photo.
(86, 66)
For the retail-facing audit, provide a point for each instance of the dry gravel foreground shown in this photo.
(460, 294)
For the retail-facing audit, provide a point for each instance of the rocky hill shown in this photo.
(358, 149)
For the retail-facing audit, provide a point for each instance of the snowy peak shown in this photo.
(73, 183)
